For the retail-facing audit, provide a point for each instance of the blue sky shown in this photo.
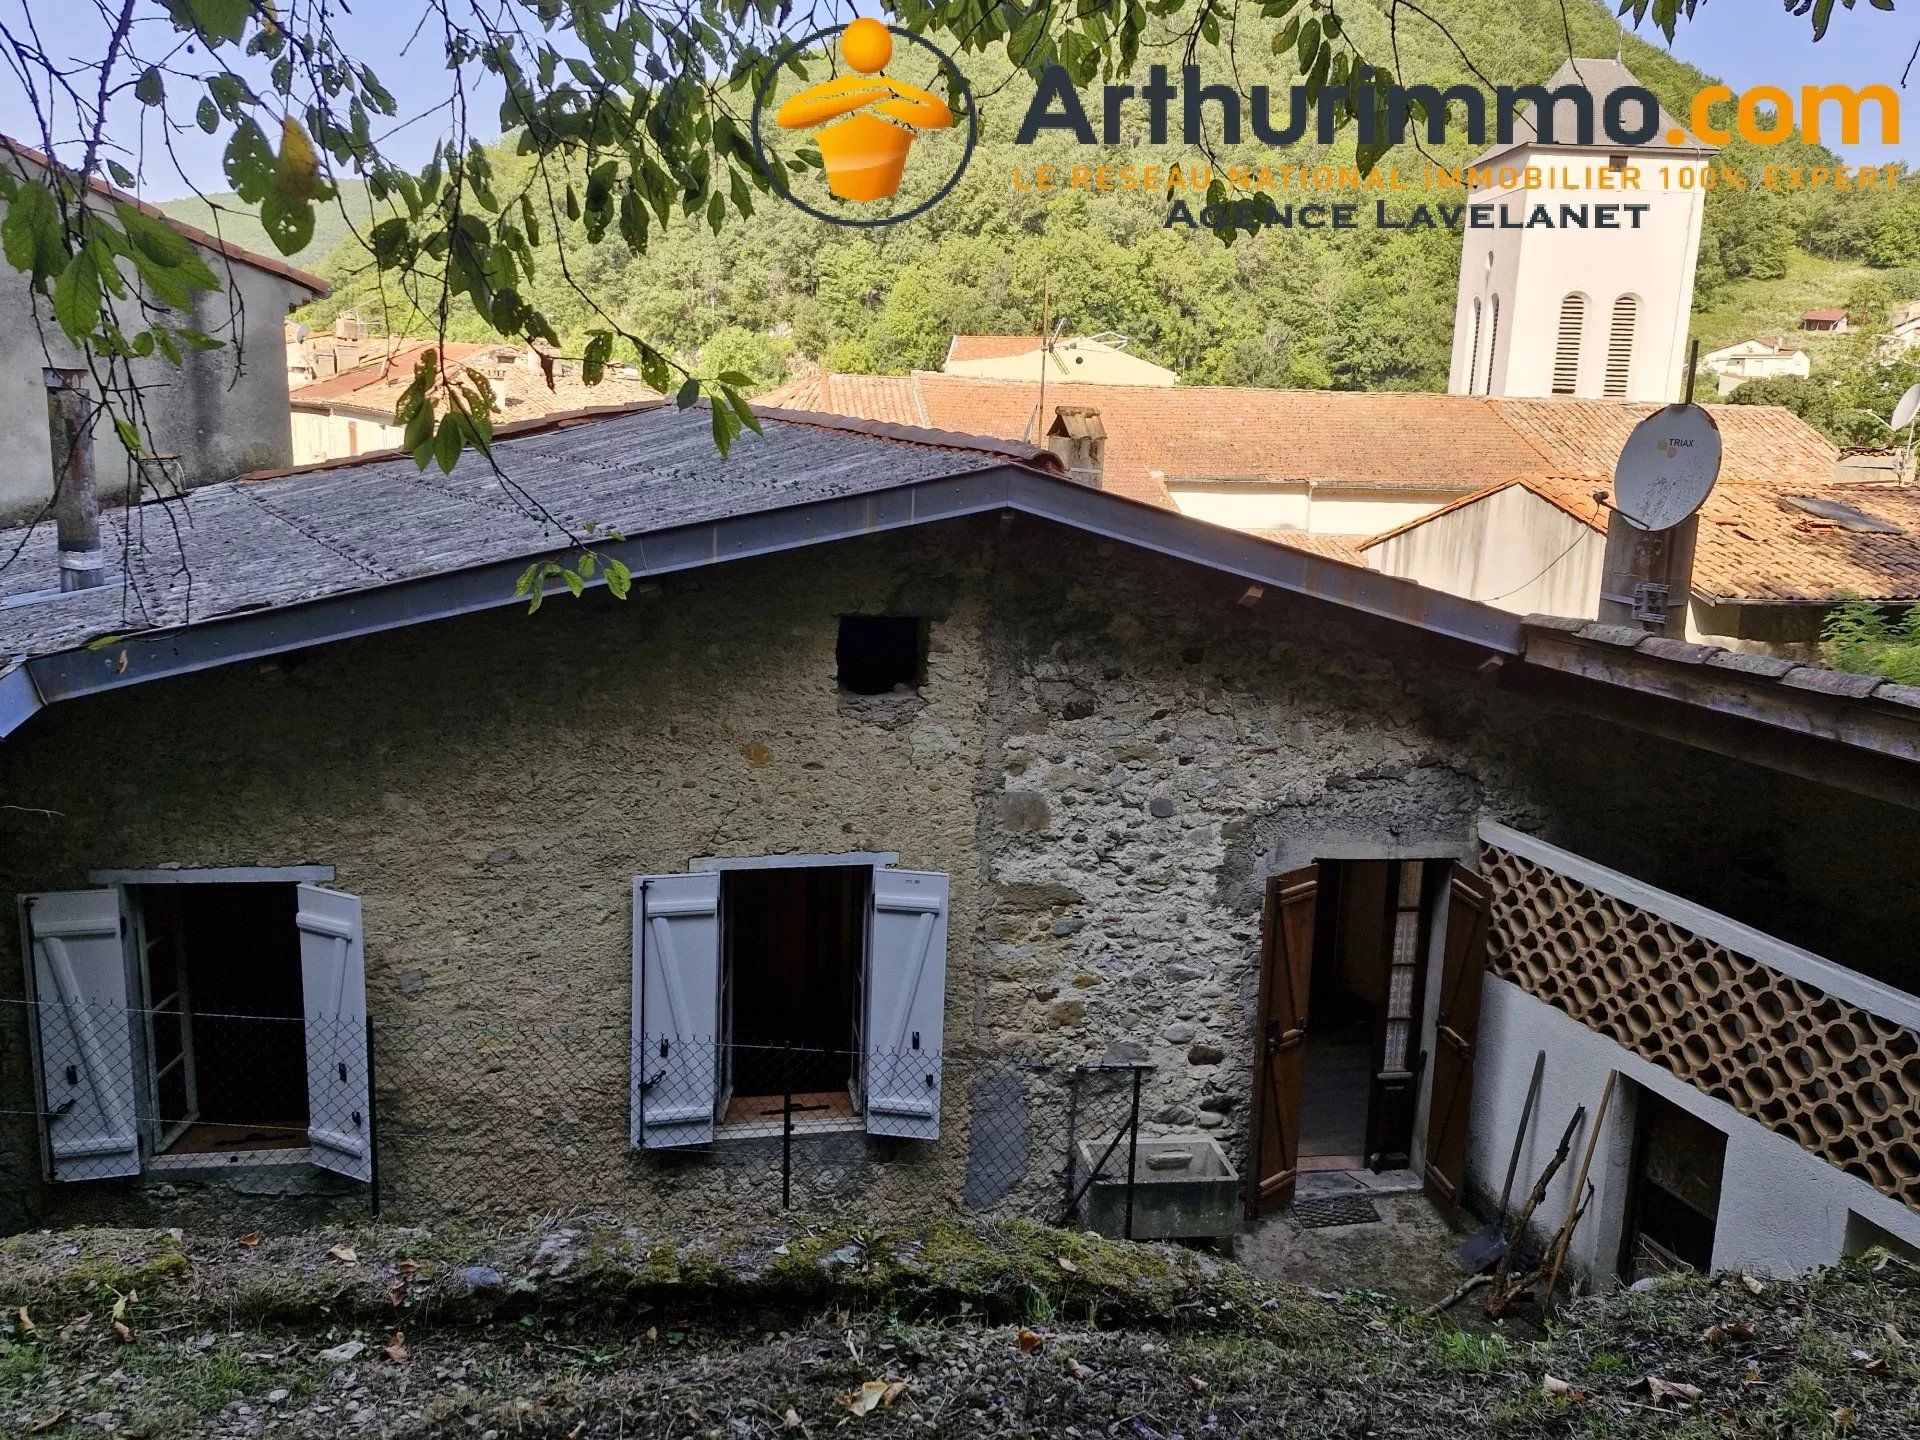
(1746, 42)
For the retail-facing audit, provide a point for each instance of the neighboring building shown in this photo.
(218, 414)
(1347, 463)
(1903, 331)
(312, 355)
(351, 412)
(1581, 311)
(1771, 562)
(1084, 778)
(1757, 359)
(1089, 359)
(1825, 322)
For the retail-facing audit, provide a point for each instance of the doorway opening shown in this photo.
(1360, 1072)
(794, 953)
(1673, 1200)
(225, 1031)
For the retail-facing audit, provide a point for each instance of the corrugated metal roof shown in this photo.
(323, 530)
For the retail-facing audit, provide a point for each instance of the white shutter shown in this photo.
(84, 1033)
(906, 1003)
(333, 982)
(676, 1005)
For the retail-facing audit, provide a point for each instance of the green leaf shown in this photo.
(31, 236)
(249, 162)
(593, 364)
(288, 222)
(76, 297)
(689, 392)
(149, 89)
(447, 443)
(619, 579)
(206, 116)
(218, 21)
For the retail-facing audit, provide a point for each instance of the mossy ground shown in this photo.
(593, 1330)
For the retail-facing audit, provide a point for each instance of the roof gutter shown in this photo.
(233, 639)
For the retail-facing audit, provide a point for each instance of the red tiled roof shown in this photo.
(1828, 315)
(304, 279)
(1755, 546)
(1344, 548)
(518, 389)
(1158, 436)
(991, 347)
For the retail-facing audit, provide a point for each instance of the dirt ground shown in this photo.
(589, 1331)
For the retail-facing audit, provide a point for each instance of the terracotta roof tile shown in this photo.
(1158, 436)
(991, 347)
(519, 390)
(1343, 548)
(1756, 545)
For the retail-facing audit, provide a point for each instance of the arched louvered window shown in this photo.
(1493, 341)
(1473, 354)
(1626, 323)
(1567, 346)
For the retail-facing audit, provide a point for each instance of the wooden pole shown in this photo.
(1576, 1206)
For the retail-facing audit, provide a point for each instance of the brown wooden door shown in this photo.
(1457, 1026)
(1286, 970)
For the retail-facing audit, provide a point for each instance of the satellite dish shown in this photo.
(1667, 467)
(1907, 410)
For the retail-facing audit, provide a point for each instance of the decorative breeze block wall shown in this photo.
(1842, 1082)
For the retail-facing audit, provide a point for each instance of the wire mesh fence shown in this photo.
(414, 1120)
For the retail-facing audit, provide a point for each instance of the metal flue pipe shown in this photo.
(76, 504)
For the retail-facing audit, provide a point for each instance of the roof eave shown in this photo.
(1016, 488)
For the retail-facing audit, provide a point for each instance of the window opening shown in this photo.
(794, 959)
(876, 654)
(226, 1033)
(1675, 1194)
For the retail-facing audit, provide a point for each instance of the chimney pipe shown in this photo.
(76, 508)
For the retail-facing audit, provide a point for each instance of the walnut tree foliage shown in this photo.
(630, 115)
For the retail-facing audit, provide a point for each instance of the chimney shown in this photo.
(76, 508)
(1080, 440)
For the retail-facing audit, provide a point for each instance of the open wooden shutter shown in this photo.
(1286, 971)
(906, 1003)
(333, 985)
(1457, 1026)
(84, 1032)
(676, 1021)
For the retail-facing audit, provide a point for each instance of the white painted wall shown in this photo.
(1512, 550)
(1318, 509)
(1783, 1210)
(324, 435)
(1532, 271)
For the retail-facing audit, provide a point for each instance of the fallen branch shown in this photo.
(1455, 1296)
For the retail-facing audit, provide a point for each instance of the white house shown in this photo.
(1756, 359)
(1582, 308)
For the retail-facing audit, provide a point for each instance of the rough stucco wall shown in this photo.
(1109, 756)
(223, 412)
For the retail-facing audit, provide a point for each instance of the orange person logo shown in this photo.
(865, 154)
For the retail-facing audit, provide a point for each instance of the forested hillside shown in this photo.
(1357, 309)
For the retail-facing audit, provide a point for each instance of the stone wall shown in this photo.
(1108, 756)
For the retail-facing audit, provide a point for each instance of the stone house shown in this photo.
(218, 414)
(1006, 770)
